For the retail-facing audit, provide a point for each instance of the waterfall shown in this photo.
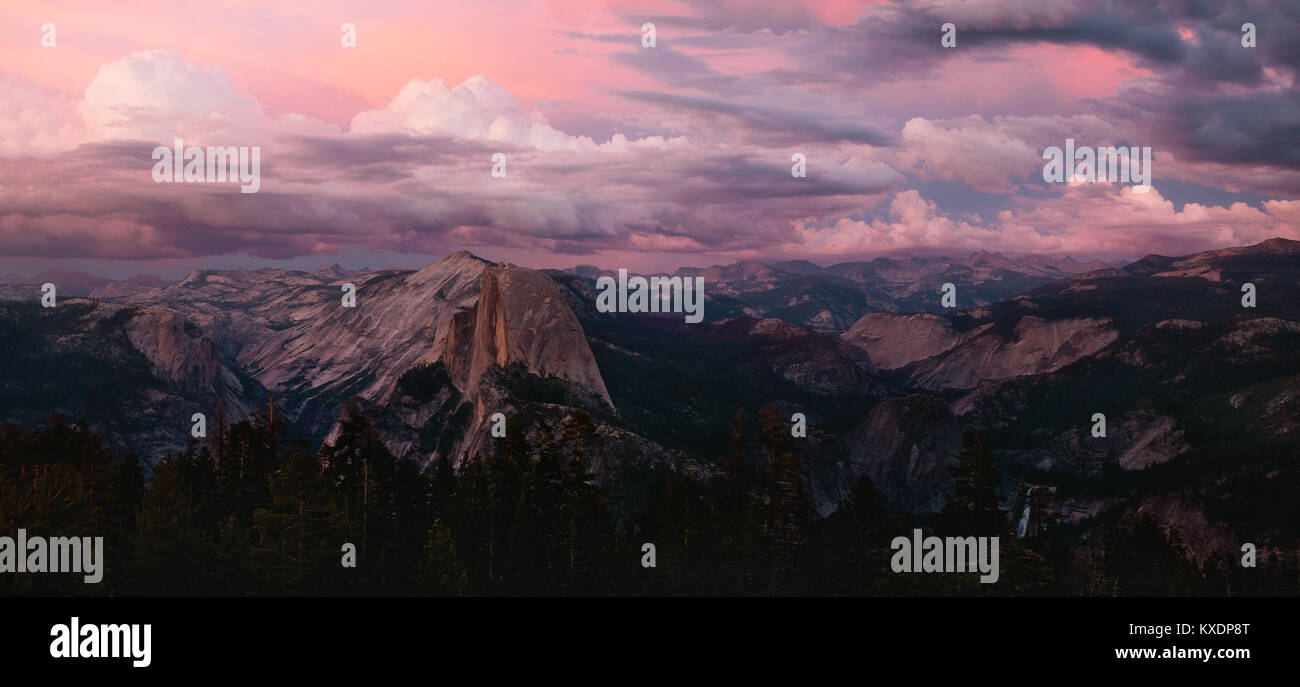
(1024, 520)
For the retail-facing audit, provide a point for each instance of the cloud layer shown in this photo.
(677, 153)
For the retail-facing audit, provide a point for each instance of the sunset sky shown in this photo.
(641, 157)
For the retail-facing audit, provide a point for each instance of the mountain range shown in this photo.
(833, 298)
(1200, 394)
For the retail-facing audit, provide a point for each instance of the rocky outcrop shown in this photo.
(137, 375)
(906, 445)
(1135, 440)
(520, 317)
(290, 332)
(519, 323)
(1034, 346)
(894, 340)
(938, 355)
(1200, 537)
(480, 320)
(328, 354)
(177, 350)
(814, 361)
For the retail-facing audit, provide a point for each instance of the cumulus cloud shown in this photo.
(1088, 219)
(706, 166)
(413, 176)
(35, 120)
(477, 110)
(999, 155)
(971, 150)
(1117, 221)
(155, 95)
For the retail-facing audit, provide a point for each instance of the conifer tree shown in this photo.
(737, 522)
(972, 507)
(440, 571)
(790, 512)
(858, 548)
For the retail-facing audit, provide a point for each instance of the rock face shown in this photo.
(939, 356)
(1134, 440)
(894, 340)
(1078, 316)
(520, 317)
(290, 332)
(177, 350)
(1035, 346)
(813, 361)
(906, 446)
(319, 354)
(520, 321)
(137, 375)
(232, 338)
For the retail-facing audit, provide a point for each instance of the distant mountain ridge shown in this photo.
(834, 297)
(1161, 345)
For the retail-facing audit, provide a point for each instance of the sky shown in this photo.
(620, 154)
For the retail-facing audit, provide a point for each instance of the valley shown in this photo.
(1200, 394)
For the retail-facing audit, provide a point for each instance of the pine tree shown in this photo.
(62, 480)
(298, 536)
(972, 507)
(440, 571)
(790, 511)
(385, 504)
(588, 538)
(737, 520)
(472, 518)
(1141, 559)
(535, 562)
(858, 547)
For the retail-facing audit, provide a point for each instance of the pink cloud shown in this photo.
(615, 149)
(1087, 219)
